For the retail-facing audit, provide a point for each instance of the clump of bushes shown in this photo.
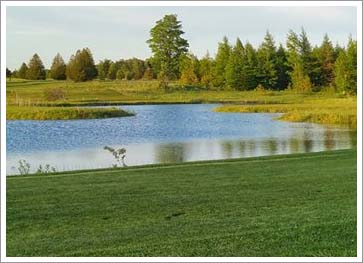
(54, 94)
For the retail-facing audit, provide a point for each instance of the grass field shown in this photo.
(288, 205)
(319, 107)
(33, 93)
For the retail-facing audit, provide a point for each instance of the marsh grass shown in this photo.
(337, 111)
(63, 113)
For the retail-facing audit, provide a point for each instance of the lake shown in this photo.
(165, 134)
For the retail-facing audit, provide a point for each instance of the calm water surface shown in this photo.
(163, 134)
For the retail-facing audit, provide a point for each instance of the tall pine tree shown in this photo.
(345, 69)
(282, 69)
(235, 74)
(221, 60)
(167, 46)
(58, 68)
(298, 52)
(251, 67)
(22, 72)
(36, 70)
(267, 72)
(81, 66)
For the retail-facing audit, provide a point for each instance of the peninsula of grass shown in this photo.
(284, 205)
(62, 113)
(336, 111)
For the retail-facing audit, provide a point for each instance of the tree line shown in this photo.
(298, 65)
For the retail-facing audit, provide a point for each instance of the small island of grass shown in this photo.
(63, 113)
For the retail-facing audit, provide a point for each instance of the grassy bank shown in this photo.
(62, 113)
(337, 111)
(292, 205)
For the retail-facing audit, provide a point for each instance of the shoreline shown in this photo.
(183, 164)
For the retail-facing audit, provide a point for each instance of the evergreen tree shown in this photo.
(352, 63)
(310, 63)
(341, 71)
(345, 69)
(325, 58)
(297, 53)
(251, 67)
(22, 72)
(81, 66)
(282, 69)
(235, 74)
(221, 60)
(58, 68)
(167, 46)
(267, 62)
(337, 50)
(36, 70)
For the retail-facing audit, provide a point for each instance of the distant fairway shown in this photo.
(287, 205)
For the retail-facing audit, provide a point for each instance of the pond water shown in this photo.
(164, 134)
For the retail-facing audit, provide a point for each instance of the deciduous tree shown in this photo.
(189, 70)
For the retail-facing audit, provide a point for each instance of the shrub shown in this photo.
(54, 94)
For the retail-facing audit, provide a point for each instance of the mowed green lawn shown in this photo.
(287, 205)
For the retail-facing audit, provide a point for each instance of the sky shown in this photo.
(121, 32)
